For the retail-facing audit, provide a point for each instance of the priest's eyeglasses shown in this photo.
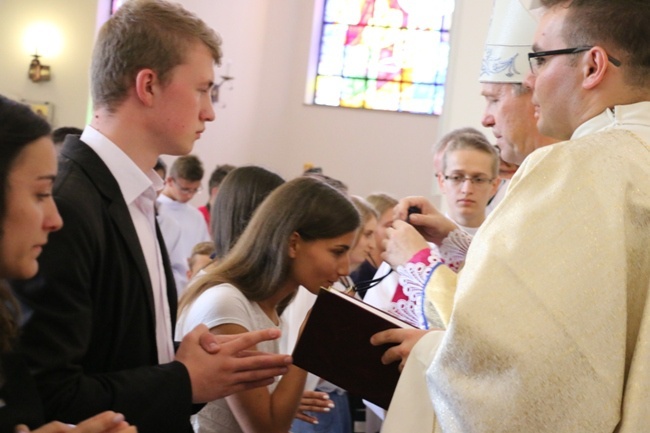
(459, 179)
(537, 60)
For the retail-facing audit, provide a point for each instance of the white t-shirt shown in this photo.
(219, 305)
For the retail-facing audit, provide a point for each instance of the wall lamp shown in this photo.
(38, 72)
(41, 39)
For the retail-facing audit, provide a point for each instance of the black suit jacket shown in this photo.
(89, 336)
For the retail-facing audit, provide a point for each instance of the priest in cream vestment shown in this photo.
(560, 340)
(550, 330)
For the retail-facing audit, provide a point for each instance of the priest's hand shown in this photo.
(405, 340)
(402, 243)
(424, 216)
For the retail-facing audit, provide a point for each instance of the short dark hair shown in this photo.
(618, 25)
(59, 134)
(188, 167)
(161, 166)
(218, 174)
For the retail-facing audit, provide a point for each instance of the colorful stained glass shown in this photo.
(384, 54)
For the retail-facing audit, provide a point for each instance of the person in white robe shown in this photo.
(510, 114)
(549, 331)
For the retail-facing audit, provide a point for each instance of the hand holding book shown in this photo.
(335, 345)
(403, 339)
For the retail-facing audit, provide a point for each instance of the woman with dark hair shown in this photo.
(240, 193)
(300, 235)
(27, 216)
(339, 418)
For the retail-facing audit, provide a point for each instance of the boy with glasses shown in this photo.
(467, 167)
(183, 183)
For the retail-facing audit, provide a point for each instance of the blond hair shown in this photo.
(200, 249)
(365, 209)
(382, 202)
(468, 139)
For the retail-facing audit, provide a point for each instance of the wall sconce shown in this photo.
(38, 72)
(41, 39)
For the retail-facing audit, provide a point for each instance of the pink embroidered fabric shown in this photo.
(407, 300)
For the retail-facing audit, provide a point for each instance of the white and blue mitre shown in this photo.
(509, 40)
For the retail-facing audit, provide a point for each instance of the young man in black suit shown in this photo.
(101, 312)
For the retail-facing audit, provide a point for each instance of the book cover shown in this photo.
(335, 345)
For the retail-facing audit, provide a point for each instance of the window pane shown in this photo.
(384, 54)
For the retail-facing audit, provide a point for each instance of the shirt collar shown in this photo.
(132, 181)
(610, 118)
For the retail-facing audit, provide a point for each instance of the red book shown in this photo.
(335, 345)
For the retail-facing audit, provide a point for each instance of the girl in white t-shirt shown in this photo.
(300, 235)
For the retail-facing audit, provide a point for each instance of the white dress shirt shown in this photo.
(139, 191)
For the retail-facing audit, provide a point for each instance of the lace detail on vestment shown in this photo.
(454, 249)
(407, 302)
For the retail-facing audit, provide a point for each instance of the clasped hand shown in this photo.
(105, 422)
(220, 365)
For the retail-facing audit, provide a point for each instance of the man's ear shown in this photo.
(441, 182)
(145, 81)
(294, 244)
(594, 68)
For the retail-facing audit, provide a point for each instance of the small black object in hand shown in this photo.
(412, 209)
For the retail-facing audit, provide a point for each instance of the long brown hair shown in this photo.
(259, 263)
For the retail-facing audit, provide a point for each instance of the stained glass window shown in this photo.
(384, 54)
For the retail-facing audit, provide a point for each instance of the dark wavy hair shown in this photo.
(240, 193)
(19, 126)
